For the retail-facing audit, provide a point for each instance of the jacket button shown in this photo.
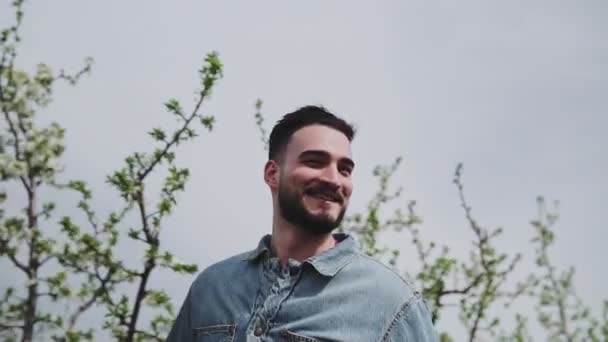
(258, 331)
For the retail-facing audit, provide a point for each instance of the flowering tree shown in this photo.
(74, 260)
(78, 263)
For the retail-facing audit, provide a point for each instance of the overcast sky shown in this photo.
(515, 90)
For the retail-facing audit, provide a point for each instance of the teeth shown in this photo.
(325, 197)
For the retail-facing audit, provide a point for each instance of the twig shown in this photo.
(141, 175)
(13, 258)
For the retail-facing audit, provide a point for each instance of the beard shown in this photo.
(293, 210)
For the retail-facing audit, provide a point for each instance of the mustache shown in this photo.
(325, 191)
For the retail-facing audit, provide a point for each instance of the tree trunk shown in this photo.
(33, 265)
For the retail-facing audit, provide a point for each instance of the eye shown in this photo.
(346, 171)
(315, 163)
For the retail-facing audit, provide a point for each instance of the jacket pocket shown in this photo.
(215, 333)
(289, 336)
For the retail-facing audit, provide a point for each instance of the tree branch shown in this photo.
(5, 326)
(13, 258)
(141, 294)
(142, 212)
(467, 209)
(86, 305)
(465, 290)
(73, 79)
(148, 335)
(141, 175)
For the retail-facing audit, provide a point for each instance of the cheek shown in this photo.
(293, 183)
(348, 189)
(303, 177)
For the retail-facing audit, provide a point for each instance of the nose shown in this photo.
(331, 176)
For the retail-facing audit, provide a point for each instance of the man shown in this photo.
(302, 283)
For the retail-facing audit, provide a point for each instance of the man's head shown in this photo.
(309, 168)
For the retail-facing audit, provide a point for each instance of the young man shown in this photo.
(302, 283)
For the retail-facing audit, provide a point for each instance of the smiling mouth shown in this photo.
(325, 196)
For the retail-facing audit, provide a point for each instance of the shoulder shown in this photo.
(222, 271)
(407, 317)
(393, 284)
(410, 318)
(375, 284)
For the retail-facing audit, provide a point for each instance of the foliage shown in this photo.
(130, 182)
(63, 260)
(30, 156)
(561, 312)
(80, 266)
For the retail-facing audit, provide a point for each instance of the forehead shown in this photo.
(319, 138)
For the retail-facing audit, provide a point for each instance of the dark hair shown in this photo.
(305, 116)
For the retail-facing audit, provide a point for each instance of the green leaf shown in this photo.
(208, 122)
(133, 234)
(173, 106)
(158, 134)
(164, 207)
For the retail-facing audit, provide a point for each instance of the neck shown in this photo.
(292, 242)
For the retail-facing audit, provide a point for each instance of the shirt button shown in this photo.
(258, 331)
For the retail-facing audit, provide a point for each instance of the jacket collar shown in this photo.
(263, 248)
(328, 263)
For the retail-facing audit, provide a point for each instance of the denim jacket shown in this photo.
(339, 295)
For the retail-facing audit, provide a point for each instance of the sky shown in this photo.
(516, 91)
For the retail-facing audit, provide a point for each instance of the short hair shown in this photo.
(305, 116)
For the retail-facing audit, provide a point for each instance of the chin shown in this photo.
(324, 214)
(326, 218)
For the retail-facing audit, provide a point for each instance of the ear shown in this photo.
(271, 174)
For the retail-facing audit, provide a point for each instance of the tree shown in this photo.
(29, 155)
(74, 260)
(79, 263)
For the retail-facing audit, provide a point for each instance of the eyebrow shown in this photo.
(323, 154)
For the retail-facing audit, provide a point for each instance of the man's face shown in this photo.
(315, 179)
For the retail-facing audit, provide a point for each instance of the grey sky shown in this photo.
(515, 90)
